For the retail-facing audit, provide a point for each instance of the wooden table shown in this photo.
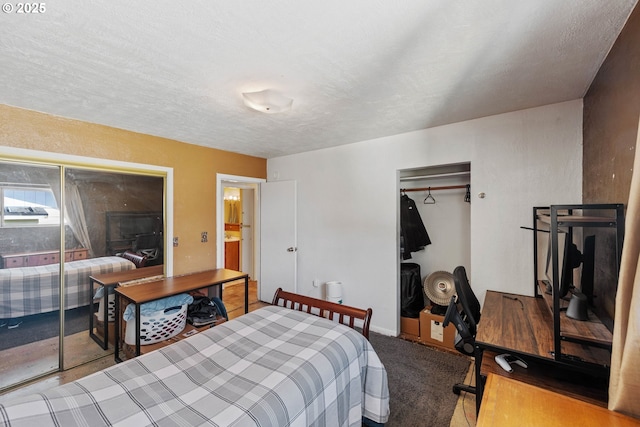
(508, 403)
(523, 326)
(170, 286)
(109, 281)
(564, 381)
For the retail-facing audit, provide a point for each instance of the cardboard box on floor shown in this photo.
(410, 326)
(432, 332)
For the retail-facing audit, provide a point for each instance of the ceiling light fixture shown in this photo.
(267, 101)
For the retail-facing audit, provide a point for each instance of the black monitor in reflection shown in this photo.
(569, 258)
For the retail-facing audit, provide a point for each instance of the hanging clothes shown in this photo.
(414, 236)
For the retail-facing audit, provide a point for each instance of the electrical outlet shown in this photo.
(316, 283)
(204, 238)
(175, 242)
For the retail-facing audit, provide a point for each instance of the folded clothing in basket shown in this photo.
(151, 307)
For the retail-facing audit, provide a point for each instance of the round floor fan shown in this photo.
(439, 287)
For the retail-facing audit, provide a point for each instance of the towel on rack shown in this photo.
(413, 232)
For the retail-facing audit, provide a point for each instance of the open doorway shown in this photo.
(238, 225)
(435, 199)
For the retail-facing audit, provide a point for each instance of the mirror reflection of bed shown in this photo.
(30, 251)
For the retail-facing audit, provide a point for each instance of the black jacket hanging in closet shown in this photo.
(413, 232)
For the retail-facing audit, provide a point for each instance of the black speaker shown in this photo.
(411, 297)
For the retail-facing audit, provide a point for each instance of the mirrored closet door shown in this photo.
(30, 251)
(59, 226)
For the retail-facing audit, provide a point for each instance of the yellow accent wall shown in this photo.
(194, 167)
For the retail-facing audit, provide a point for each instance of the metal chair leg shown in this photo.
(457, 388)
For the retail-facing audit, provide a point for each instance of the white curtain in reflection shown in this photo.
(75, 214)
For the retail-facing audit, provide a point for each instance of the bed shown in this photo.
(33, 290)
(287, 364)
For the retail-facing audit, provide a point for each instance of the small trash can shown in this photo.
(334, 292)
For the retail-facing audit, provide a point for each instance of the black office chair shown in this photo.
(464, 312)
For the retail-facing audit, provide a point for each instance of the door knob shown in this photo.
(291, 249)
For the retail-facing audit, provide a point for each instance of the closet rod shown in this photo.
(440, 175)
(446, 187)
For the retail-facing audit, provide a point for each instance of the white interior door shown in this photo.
(277, 238)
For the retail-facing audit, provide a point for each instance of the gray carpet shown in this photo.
(420, 381)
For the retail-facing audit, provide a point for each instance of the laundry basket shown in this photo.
(111, 308)
(111, 301)
(158, 326)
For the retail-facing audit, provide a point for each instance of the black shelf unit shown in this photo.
(124, 228)
(593, 333)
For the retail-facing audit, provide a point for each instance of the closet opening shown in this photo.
(435, 238)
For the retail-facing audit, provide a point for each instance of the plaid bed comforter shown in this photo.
(32, 290)
(271, 367)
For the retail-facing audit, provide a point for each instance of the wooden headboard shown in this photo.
(330, 310)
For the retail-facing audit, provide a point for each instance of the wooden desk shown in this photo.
(508, 403)
(111, 280)
(563, 381)
(170, 286)
(523, 326)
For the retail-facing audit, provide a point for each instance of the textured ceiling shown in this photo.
(357, 69)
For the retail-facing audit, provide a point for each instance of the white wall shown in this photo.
(448, 222)
(348, 199)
